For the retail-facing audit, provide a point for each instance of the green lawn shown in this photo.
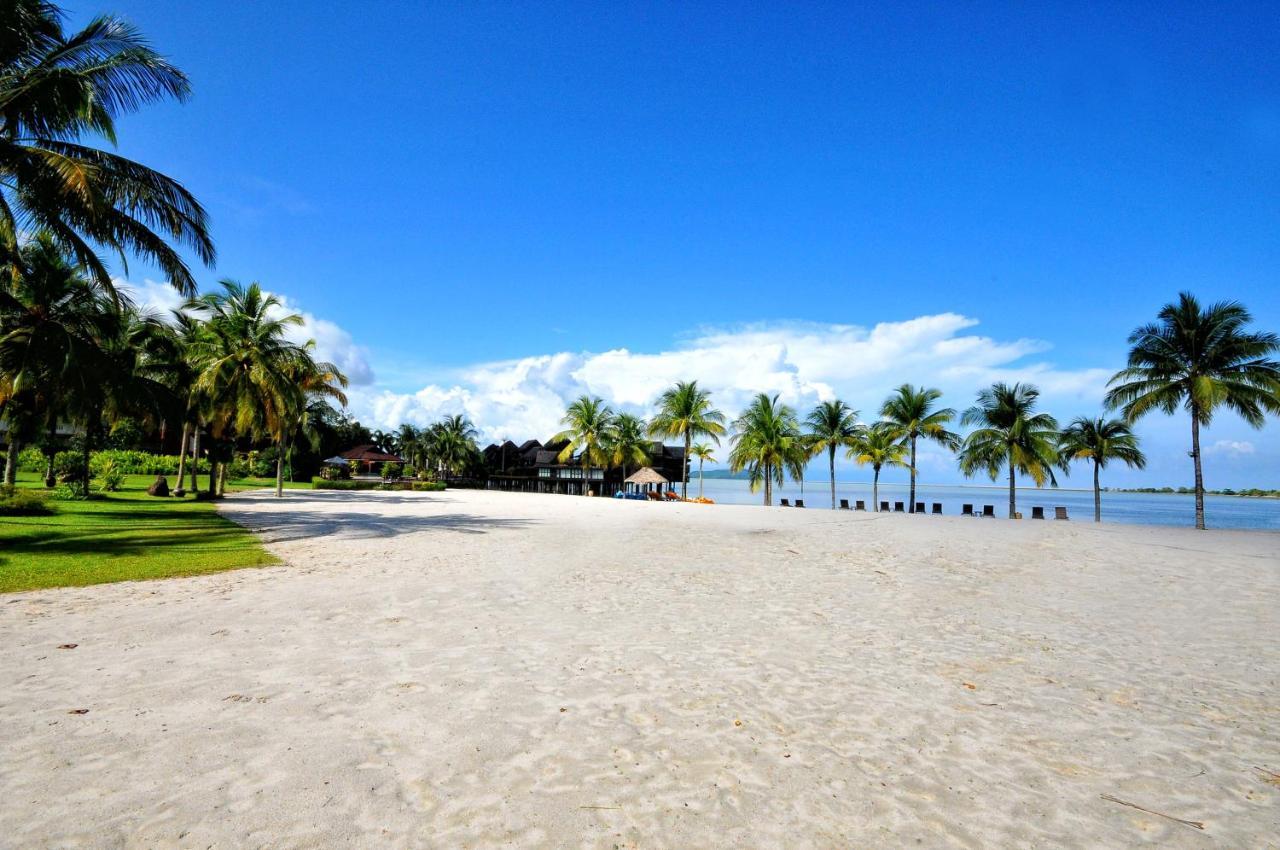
(123, 536)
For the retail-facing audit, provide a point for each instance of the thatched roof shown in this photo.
(646, 475)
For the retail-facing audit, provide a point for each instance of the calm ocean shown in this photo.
(1142, 508)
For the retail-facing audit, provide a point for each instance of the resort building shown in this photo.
(535, 467)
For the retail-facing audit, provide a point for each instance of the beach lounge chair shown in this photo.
(899, 507)
(786, 503)
(655, 496)
(937, 508)
(989, 510)
(799, 503)
(966, 510)
(1060, 512)
(860, 505)
(884, 507)
(1037, 512)
(919, 507)
(844, 504)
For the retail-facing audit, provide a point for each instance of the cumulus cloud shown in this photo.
(802, 362)
(1231, 448)
(332, 343)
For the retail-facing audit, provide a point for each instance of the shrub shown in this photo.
(428, 486)
(14, 502)
(31, 459)
(345, 484)
(110, 478)
(68, 492)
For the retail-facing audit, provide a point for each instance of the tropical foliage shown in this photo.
(878, 446)
(1099, 441)
(685, 412)
(1010, 435)
(768, 444)
(1199, 359)
(833, 425)
(910, 414)
(588, 427)
(703, 452)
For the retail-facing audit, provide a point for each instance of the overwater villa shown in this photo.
(534, 467)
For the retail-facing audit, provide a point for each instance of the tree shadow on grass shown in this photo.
(304, 525)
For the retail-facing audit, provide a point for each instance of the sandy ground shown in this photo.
(473, 669)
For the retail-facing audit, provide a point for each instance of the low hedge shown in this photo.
(126, 461)
(14, 502)
(416, 486)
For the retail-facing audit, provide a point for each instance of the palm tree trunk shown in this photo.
(222, 479)
(699, 478)
(11, 460)
(1013, 488)
(279, 469)
(1097, 495)
(875, 490)
(684, 485)
(182, 452)
(1195, 456)
(768, 486)
(831, 454)
(86, 460)
(911, 506)
(195, 461)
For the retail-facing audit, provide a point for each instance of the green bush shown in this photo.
(345, 485)
(428, 486)
(418, 486)
(110, 478)
(67, 492)
(14, 502)
(31, 459)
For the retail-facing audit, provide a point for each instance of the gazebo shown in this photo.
(645, 480)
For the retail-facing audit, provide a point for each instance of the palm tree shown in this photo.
(685, 411)
(878, 447)
(1199, 359)
(910, 414)
(832, 425)
(53, 322)
(627, 445)
(587, 423)
(1100, 440)
(57, 88)
(768, 444)
(258, 382)
(703, 452)
(1012, 434)
(452, 443)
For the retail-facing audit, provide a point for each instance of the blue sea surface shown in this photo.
(1134, 508)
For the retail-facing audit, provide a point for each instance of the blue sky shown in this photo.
(476, 204)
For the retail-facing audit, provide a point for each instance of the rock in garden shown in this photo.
(159, 487)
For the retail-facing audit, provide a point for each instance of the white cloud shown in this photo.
(802, 362)
(1231, 448)
(332, 343)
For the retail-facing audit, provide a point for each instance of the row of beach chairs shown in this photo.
(1037, 512)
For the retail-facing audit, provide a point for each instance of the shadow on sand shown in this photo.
(302, 525)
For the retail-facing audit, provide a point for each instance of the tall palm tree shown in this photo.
(832, 425)
(1011, 435)
(452, 443)
(703, 452)
(1199, 359)
(258, 381)
(53, 322)
(878, 447)
(627, 446)
(685, 411)
(768, 443)
(587, 423)
(56, 88)
(910, 414)
(1100, 441)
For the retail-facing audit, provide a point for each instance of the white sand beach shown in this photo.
(472, 669)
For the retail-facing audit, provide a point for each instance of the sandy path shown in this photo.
(480, 669)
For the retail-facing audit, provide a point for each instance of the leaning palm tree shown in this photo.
(626, 443)
(832, 425)
(1012, 435)
(587, 423)
(877, 447)
(1199, 359)
(769, 444)
(685, 411)
(910, 414)
(56, 88)
(1100, 441)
